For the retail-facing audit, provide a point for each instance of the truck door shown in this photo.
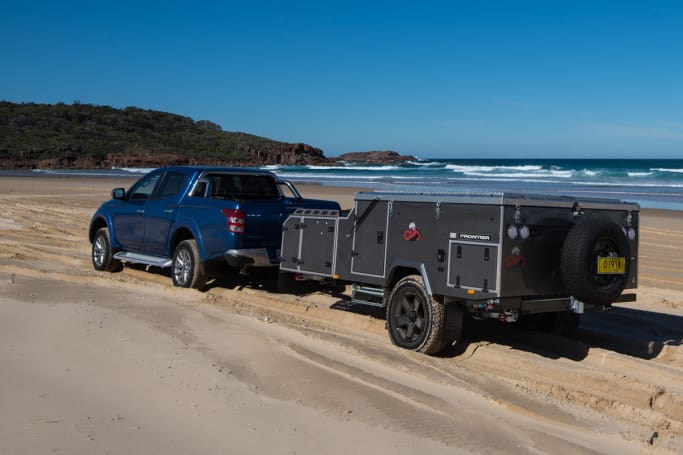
(369, 238)
(160, 211)
(129, 222)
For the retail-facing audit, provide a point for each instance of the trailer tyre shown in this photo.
(187, 270)
(585, 243)
(414, 319)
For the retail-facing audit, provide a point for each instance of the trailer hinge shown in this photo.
(354, 253)
(438, 210)
(391, 208)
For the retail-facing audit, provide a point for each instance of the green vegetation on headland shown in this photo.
(48, 136)
(89, 136)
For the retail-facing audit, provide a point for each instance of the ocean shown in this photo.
(652, 183)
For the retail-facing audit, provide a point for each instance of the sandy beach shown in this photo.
(123, 363)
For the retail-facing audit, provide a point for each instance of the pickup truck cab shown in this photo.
(186, 217)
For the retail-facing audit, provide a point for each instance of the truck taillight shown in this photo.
(236, 219)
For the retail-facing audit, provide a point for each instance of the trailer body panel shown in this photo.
(505, 247)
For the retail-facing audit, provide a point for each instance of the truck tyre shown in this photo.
(414, 319)
(187, 271)
(585, 243)
(102, 254)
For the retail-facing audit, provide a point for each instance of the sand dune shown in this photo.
(126, 363)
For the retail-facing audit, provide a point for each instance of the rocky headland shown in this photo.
(84, 136)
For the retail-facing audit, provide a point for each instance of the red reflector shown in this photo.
(236, 219)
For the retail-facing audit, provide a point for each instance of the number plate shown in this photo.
(611, 266)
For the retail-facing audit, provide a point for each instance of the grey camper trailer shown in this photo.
(433, 259)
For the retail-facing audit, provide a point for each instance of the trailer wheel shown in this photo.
(584, 245)
(414, 319)
(187, 271)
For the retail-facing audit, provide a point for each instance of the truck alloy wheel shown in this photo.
(585, 244)
(102, 254)
(186, 268)
(415, 320)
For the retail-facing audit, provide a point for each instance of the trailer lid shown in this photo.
(498, 198)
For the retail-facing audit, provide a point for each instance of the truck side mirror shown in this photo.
(118, 193)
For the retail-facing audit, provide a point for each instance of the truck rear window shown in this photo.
(239, 186)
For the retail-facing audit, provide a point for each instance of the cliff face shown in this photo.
(285, 154)
(70, 157)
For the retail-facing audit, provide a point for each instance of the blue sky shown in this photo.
(457, 79)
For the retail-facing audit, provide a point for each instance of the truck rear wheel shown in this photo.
(585, 244)
(414, 319)
(187, 271)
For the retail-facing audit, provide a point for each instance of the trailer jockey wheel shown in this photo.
(415, 320)
(585, 244)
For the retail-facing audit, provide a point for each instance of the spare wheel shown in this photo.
(586, 243)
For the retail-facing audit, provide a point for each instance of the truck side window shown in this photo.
(144, 188)
(200, 189)
(171, 184)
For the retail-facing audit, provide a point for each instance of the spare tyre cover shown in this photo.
(584, 245)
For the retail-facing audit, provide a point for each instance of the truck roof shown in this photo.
(240, 170)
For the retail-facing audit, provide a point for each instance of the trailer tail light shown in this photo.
(629, 232)
(236, 220)
(514, 231)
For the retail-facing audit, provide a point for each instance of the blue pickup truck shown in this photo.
(190, 217)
